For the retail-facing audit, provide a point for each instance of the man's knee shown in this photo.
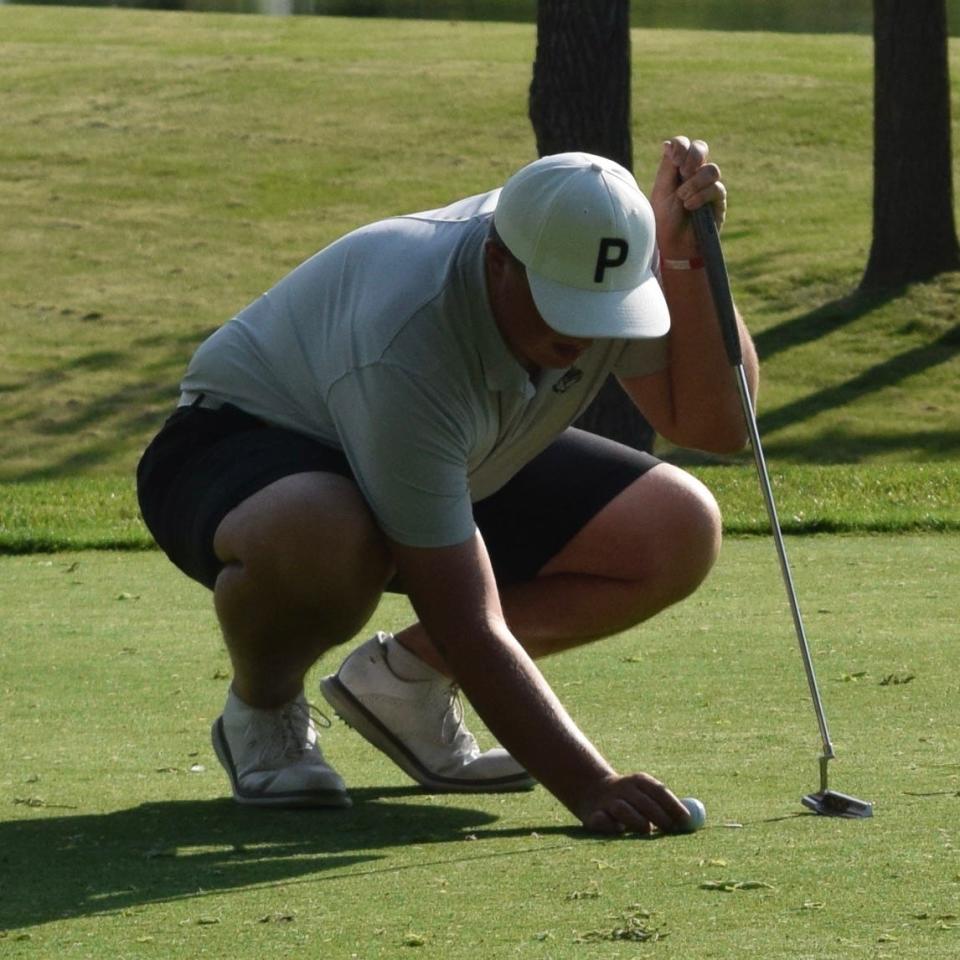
(695, 530)
(662, 534)
(307, 545)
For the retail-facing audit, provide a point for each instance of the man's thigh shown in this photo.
(533, 517)
(204, 464)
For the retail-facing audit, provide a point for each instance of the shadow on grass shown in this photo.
(116, 423)
(90, 864)
(821, 321)
(85, 435)
(840, 447)
(825, 320)
(886, 374)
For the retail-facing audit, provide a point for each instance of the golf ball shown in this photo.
(697, 811)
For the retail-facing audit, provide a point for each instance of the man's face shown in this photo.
(531, 340)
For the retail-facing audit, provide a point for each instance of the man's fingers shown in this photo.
(628, 813)
(601, 822)
(674, 150)
(695, 159)
(658, 803)
(636, 803)
(700, 187)
(687, 155)
(720, 205)
(677, 148)
(705, 188)
(618, 816)
(686, 173)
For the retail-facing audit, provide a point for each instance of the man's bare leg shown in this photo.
(305, 565)
(647, 549)
(305, 568)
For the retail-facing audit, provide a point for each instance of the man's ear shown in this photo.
(497, 258)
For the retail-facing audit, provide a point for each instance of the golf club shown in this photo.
(826, 802)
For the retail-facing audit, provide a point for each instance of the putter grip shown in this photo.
(705, 227)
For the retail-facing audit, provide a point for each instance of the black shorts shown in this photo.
(203, 463)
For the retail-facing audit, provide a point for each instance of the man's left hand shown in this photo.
(686, 179)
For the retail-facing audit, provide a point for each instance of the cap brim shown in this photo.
(638, 313)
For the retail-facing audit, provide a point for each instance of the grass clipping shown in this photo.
(633, 925)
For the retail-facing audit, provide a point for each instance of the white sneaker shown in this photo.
(272, 756)
(418, 724)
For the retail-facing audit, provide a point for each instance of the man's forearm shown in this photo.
(455, 597)
(706, 403)
(512, 697)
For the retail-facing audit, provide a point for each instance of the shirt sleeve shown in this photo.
(408, 447)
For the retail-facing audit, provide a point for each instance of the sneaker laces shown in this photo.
(442, 696)
(295, 732)
(453, 730)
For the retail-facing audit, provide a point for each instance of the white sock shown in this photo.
(405, 664)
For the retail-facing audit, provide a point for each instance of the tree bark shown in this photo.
(914, 230)
(580, 92)
(580, 100)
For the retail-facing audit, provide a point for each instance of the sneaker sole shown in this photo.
(355, 715)
(292, 798)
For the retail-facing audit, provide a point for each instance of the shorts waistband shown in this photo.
(189, 398)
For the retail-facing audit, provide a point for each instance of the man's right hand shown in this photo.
(634, 803)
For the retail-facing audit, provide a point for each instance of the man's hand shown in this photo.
(694, 402)
(685, 180)
(634, 803)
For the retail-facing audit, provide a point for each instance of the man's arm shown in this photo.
(454, 593)
(694, 402)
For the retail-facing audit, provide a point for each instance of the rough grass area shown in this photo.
(82, 513)
(160, 170)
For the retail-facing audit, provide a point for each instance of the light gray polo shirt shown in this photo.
(384, 345)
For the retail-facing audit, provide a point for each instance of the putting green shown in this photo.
(122, 843)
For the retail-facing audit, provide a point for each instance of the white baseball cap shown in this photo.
(587, 237)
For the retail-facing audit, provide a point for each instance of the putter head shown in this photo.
(829, 803)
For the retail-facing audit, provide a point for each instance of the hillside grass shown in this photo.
(161, 170)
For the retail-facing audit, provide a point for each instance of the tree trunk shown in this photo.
(580, 93)
(580, 100)
(914, 231)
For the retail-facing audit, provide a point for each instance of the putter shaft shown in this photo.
(706, 230)
(827, 802)
(767, 488)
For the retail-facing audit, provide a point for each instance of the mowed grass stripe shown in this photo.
(162, 169)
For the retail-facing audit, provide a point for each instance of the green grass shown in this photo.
(160, 170)
(117, 840)
(83, 513)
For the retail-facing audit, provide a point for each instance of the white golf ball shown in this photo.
(697, 811)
